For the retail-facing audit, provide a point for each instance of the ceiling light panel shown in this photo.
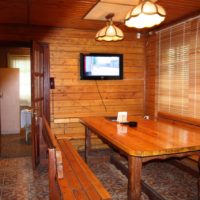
(101, 9)
(124, 2)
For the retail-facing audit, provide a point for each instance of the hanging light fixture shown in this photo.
(145, 15)
(110, 32)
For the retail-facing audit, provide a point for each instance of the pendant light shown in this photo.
(146, 14)
(110, 32)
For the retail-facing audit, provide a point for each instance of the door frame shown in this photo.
(29, 44)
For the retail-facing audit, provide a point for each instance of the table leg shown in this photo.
(87, 143)
(134, 178)
(199, 179)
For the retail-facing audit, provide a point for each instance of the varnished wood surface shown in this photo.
(174, 118)
(55, 164)
(150, 138)
(52, 143)
(70, 14)
(66, 167)
(49, 136)
(73, 98)
(151, 73)
(79, 182)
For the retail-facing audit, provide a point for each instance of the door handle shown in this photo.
(33, 113)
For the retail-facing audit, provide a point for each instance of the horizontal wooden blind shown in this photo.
(179, 69)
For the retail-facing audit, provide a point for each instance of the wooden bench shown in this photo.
(78, 140)
(55, 166)
(189, 164)
(178, 119)
(181, 120)
(70, 173)
(79, 178)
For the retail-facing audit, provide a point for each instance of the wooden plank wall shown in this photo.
(73, 98)
(151, 73)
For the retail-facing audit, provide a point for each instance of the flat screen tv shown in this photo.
(100, 66)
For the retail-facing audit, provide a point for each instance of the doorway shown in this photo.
(18, 56)
(15, 102)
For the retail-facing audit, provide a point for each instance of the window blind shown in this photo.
(179, 69)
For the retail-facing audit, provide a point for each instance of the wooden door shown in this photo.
(39, 93)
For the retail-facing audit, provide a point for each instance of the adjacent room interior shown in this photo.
(15, 72)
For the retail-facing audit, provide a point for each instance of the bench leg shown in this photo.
(134, 178)
(87, 143)
(54, 192)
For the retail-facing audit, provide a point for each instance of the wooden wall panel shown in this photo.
(73, 98)
(151, 72)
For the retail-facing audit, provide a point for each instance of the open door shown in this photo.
(39, 93)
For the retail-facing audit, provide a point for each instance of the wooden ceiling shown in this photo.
(70, 13)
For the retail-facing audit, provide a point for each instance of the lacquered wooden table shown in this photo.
(151, 139)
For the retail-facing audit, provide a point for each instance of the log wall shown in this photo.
(73, 98)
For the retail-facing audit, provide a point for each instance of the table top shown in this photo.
(149, 138)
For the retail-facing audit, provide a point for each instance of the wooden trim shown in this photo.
(52, 140)
(27, 44)
(46, 81)
(90, 9)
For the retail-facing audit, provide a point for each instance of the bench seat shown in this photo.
(79, 182)
(70, 178)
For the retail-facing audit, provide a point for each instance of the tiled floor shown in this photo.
(167, 180)
(19, 182)
(14, 145)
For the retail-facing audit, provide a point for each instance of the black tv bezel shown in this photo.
(84, 77)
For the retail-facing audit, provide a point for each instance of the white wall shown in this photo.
(9, 87)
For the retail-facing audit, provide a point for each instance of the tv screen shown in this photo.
(101, 66)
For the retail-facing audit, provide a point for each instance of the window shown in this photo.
(23, 63)
(179, 69)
